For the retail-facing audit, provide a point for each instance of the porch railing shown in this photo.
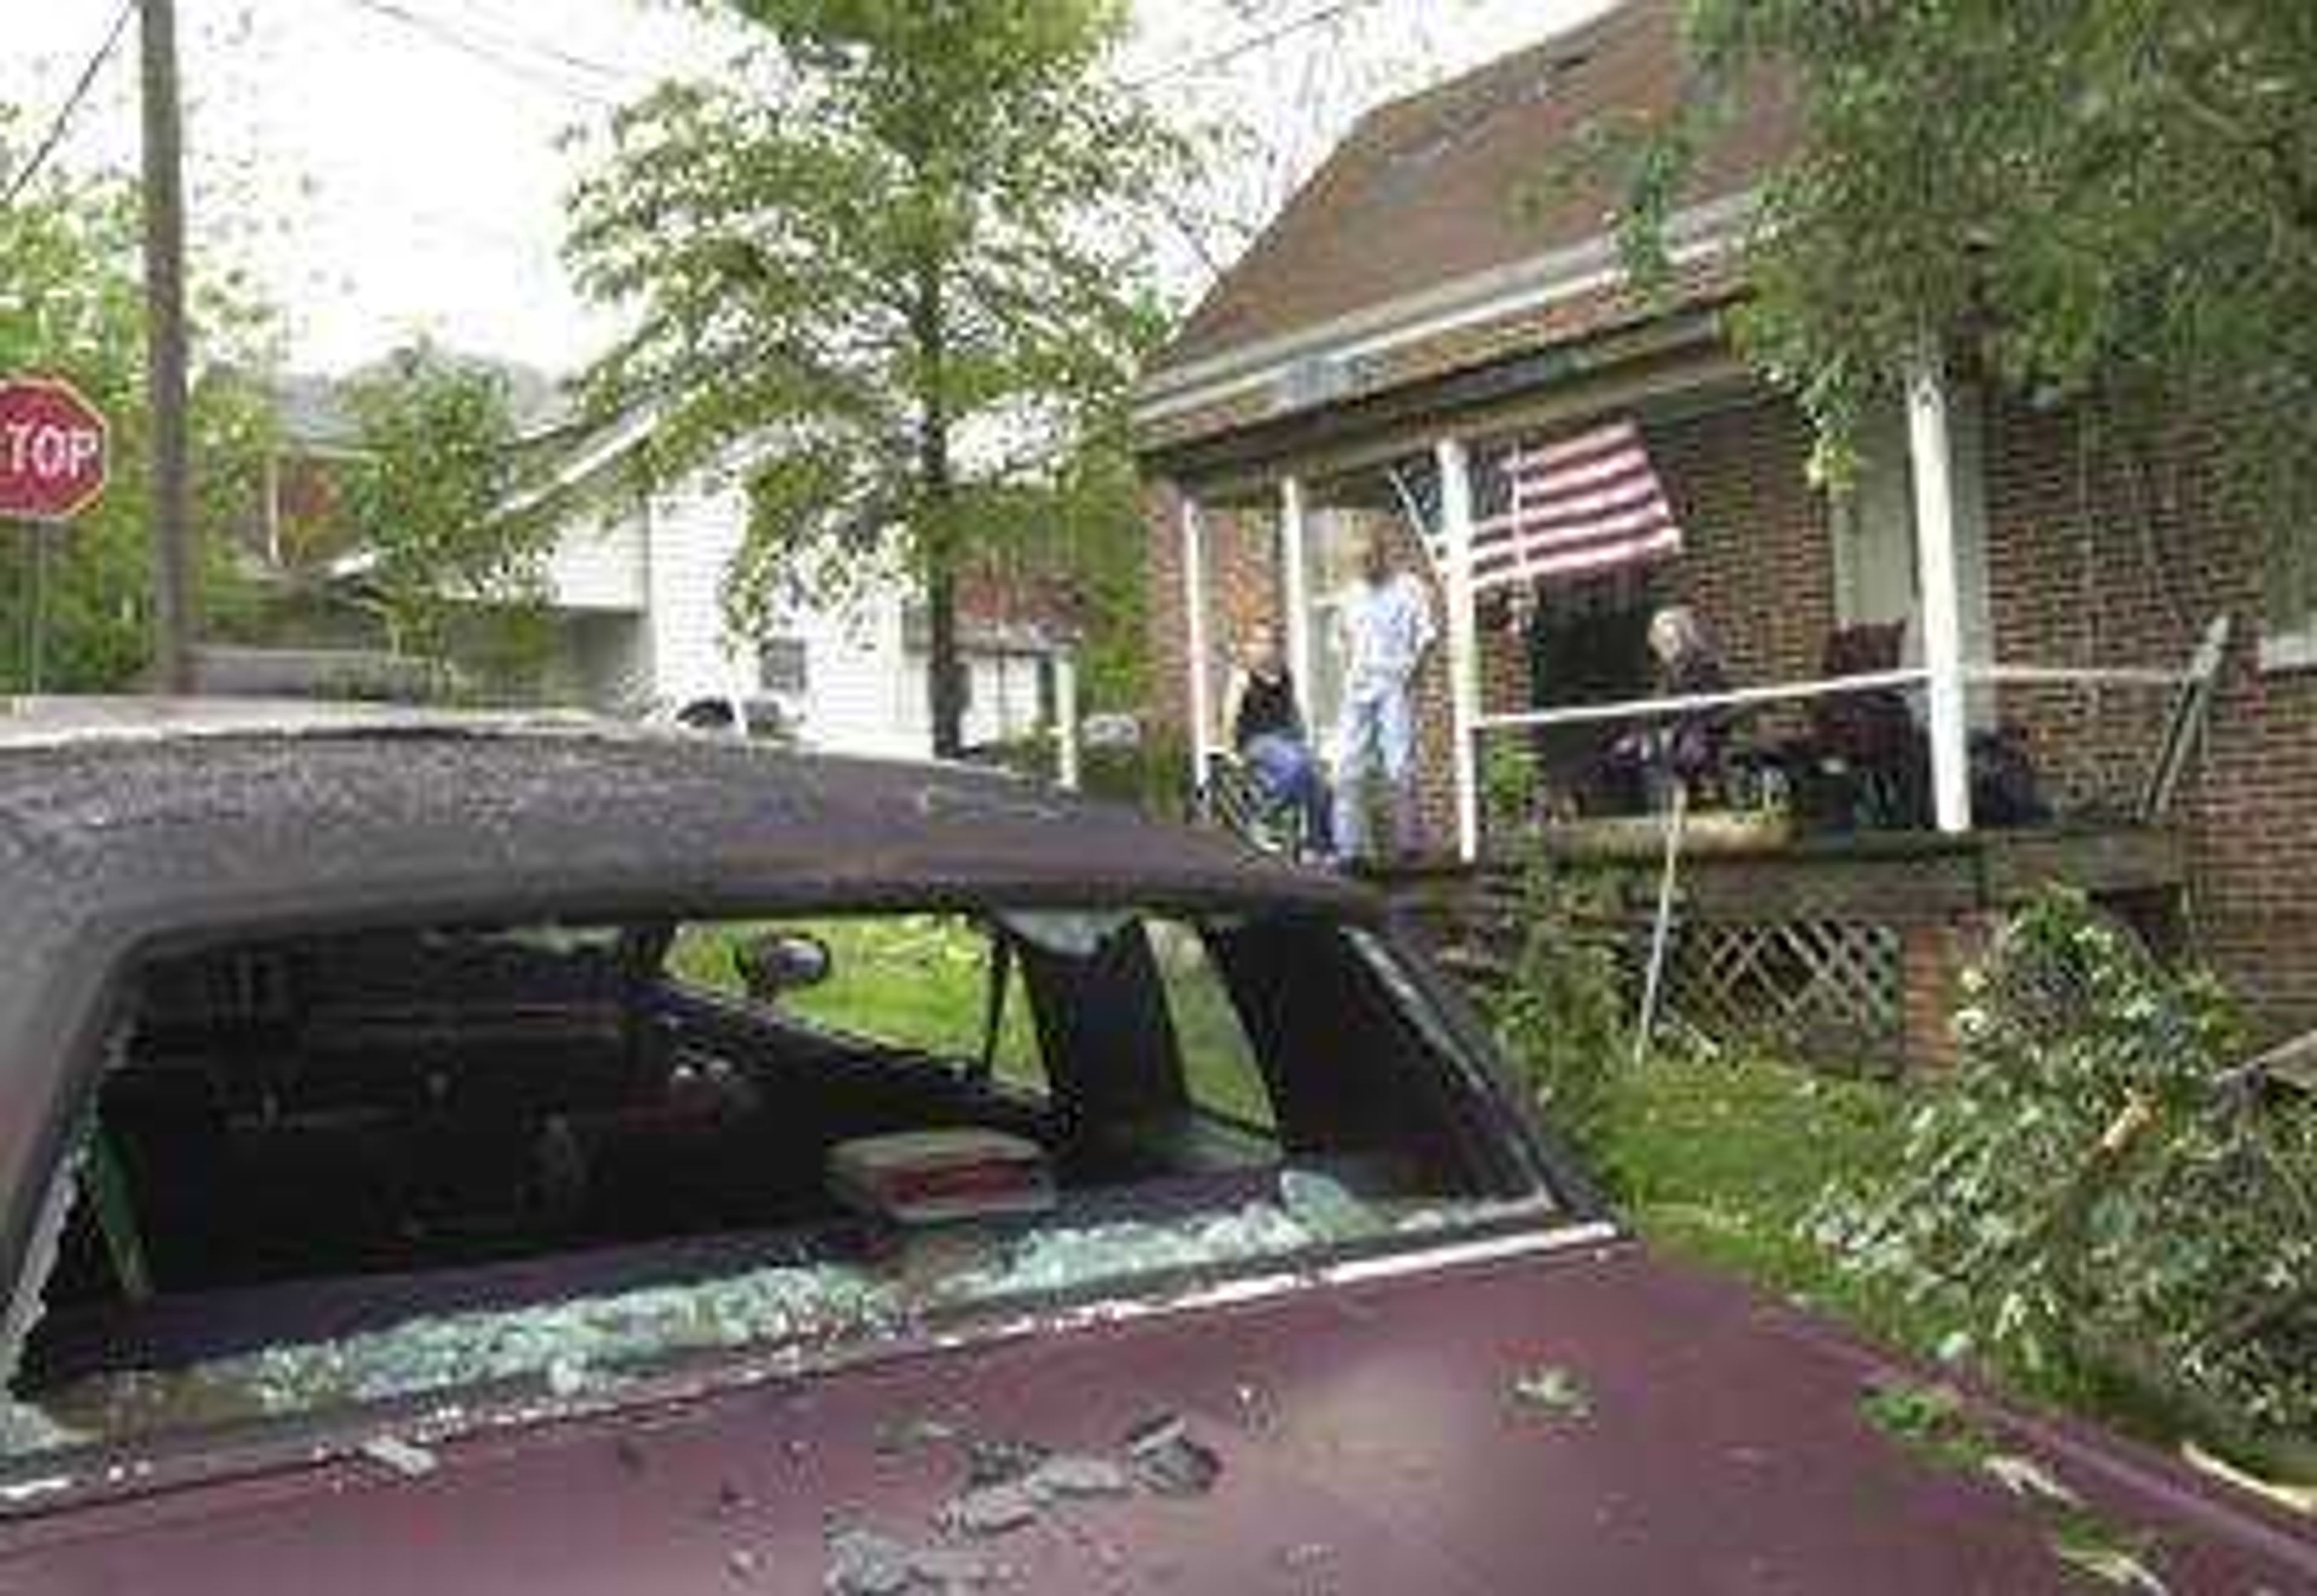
(2165, 735)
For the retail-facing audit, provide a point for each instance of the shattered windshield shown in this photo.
(537, 1164)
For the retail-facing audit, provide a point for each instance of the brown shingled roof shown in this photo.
(1447, 183)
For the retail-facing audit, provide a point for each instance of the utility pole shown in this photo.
(173, 616)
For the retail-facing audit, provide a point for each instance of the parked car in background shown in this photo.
(1113, 729)
(471, 1155)
(761, 718)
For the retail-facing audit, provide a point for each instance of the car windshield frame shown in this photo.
(1557, 1202)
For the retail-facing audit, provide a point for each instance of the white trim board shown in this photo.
(1699, 232)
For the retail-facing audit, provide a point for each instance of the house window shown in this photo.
(784, 666)
(1873, 528)
(2289, 633)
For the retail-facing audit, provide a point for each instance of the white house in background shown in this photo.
(635, 588)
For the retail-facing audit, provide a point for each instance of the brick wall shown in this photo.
(2094, 562)
(1243, 588)
(1755, 562)
(1755, 567)
(2091, 562)
(1167, 630)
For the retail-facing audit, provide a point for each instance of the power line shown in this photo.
(502, 32)
(1200, 65)
(474, 48)
(62, 121)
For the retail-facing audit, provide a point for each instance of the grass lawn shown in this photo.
(1723, 1162)
(923, 981)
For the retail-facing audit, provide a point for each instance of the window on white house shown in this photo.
(784, 665)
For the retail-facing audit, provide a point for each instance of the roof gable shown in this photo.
(1451, 184)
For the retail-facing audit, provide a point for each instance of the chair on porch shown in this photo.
(1230, 796)
(1863, 765)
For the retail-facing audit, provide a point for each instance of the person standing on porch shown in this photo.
(1385, 630)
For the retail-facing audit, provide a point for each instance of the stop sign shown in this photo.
(52, 450)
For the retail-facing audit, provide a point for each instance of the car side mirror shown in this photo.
(772, 963)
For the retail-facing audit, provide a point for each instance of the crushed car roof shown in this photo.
(124, 828)
(131, 803)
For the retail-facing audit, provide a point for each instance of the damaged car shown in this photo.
(464, 1154)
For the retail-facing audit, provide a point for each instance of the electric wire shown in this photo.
(1214, 60)
(443, 33)
(62, 121)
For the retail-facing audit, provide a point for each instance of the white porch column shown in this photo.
(1066, 721)
(1930, 446)
(1296, 588)
(1195, 639)
(1464, 640)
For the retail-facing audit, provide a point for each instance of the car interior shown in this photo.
(306, 1139)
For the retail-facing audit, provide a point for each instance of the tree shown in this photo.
(891, 274)
(429, 499)
(2111, 201)
(71, 306)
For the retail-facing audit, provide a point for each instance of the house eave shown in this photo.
(1696, 234)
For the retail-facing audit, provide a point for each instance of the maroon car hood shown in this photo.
(1370, 1437)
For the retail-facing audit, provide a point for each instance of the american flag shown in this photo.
(1591, 502)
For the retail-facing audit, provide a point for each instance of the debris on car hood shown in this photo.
(1728, 1449)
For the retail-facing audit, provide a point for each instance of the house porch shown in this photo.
(1847, 950)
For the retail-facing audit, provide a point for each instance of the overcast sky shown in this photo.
(390, 167)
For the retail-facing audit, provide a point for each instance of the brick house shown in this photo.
(1426, 310)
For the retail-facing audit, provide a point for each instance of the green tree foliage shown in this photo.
(892, 273)
(71, 306)
(1561, 1014)
(2106, 200)
(2101, 1195)
(454, 575)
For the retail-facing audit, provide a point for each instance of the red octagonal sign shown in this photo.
(52, 450)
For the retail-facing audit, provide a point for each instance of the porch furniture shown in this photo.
(1232, 798)
(1864, 758)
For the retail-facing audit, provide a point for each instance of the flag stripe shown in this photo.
(1591, 501)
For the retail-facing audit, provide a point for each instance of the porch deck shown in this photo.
(1741, 869)
(1845, 946)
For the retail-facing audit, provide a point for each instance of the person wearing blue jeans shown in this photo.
(1385, 622)
(1267, 729)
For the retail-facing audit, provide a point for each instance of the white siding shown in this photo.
(694, 535)
(855, 658)
(666, 560)
(599, 564)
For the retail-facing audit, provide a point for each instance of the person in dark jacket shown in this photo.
(1683, 749)
(1266, 727)
(1689, 666)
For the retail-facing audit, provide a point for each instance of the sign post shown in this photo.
(54, 449)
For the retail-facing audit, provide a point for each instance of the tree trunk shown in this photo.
(937, 546)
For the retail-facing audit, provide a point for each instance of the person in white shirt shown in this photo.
(1385, 630)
